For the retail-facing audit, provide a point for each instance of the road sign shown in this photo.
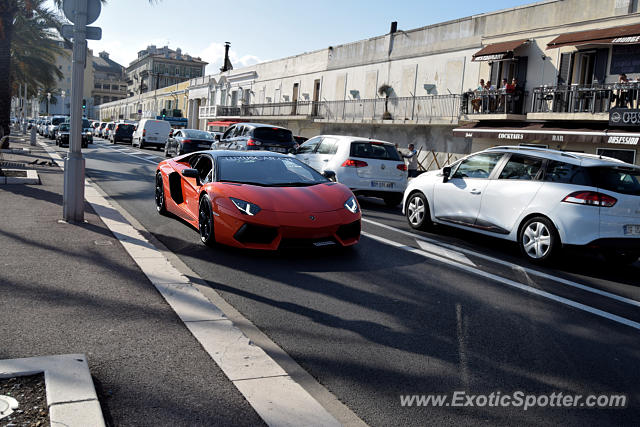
(93, 10)
(92, 33)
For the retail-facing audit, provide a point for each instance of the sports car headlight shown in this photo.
(352, 205)
(245, 207)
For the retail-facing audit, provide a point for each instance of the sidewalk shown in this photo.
(73, 289)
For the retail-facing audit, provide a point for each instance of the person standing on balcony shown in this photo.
(477, 100)
(623, 93)
(412, 161)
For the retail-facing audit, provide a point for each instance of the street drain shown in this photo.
(103, 243)
(7, 405)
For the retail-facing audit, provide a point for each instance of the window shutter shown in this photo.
(564, 73)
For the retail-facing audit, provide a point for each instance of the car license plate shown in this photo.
(324, 243)
(632, 229)
(278, 149)
(381, 184)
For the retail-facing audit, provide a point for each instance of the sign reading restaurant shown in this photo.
(496, 57)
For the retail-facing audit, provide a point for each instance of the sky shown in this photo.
(262, 30)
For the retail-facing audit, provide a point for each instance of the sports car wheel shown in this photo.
(161, 206)
(417, 211)
(539, 240)
(205, 222)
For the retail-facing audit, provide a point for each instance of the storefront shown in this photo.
(597, 139)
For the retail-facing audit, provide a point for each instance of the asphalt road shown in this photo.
(416, 313)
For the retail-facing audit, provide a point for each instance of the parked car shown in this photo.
(98, 129)
(369, 167)
(106, 131)
(43, 126)
(540, 198)
(275, 200)
(62, 136)
(52, 128)
(121, 132)
(151, 132)
(184, 141)
(256, 136)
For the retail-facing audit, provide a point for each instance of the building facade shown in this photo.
(421, 86)
(156, 68)
(108, 82)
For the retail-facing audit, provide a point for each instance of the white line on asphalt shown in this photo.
(509, 264)
(155, 162)
(509, 282)
(277, 398)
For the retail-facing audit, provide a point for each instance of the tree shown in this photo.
(51, 90)
(386, 90)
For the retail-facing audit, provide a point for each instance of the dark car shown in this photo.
(62, 134)
(183, 141)
(122, 132)
(256, 136)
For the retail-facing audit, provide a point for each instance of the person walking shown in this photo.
(412, 160)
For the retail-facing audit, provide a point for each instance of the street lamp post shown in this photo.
(64, 107)
(48, 101)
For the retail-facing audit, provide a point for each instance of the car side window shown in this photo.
(309, 146)
(478, 166)
(566, 173)
(229, 132)
(239, 131)
(328, 146)
(521, 168)
(205, 169)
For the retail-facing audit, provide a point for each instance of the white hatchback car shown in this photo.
(543, 199)
(368, 167)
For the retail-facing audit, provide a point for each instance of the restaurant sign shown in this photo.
(624, 117)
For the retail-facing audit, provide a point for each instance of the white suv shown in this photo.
(542, 199)
(368, 167)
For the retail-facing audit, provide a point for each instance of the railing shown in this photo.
(494, 102)
(592, 99)
(299, 108)
(419, 108)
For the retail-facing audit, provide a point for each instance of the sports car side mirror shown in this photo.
(216, 137)
(330, 175)
(446, 172)
(293, 150)
(190, 173)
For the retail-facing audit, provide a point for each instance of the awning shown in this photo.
(498, 51)
(544, 132)
(224, 123)
(628, 34)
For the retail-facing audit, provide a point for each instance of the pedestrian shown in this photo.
(412, 160)
(477, 100)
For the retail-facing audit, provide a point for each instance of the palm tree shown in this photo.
(386, 90)
(50, 90)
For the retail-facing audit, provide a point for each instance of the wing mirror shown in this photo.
(446, 172)
(330, 175)
(216, 137)
(191, 173)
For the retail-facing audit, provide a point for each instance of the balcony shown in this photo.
(437, 109)
(493, 105)
(582, 102)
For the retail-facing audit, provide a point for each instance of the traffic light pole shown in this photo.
(74, 166)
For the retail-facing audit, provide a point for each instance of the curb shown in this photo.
(276, 397)
(71, 396)
(31, 178)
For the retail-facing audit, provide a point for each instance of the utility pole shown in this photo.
(81, 13)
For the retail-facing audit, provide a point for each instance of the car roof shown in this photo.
(353, 138)
(234, 153)
(582, 159)
(261, 125)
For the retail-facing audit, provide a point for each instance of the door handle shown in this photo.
(325, 160)
(474, 191)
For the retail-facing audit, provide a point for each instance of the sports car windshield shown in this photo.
(270, 171)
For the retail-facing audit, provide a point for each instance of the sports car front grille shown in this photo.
(349, 231)
(251, 233)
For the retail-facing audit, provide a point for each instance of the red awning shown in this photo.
(628, 34)
(498, 51)
(223, 123)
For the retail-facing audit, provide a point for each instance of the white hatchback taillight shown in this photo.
(591, 198)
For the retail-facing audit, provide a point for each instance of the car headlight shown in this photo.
(246, 207)
(352, 205)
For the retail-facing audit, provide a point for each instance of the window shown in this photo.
(97, 86)
(628, 156)
(309, 146)
(478, 166)
(273, 134)
(239, 131)
(374, 150)
(621, 180)
(267, 171)
(229, 132)
(328, 146)
(521, 168)
(565, 173)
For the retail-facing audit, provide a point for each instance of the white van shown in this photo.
(151, 132)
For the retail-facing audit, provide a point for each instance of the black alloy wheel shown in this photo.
(161, 205)
(205, 221)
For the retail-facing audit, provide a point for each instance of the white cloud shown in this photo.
(214, 55)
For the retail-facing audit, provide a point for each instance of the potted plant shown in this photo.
(386, 90)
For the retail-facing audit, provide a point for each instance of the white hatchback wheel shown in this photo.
(417, 211)
(536, 240)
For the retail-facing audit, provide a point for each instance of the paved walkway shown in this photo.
(73, 289)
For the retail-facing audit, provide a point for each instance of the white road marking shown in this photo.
(144, 159)
(509, 264)
(454, 255)
(509, 282)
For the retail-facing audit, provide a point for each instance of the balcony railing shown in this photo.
(585, 98)
(418, 108)
(494, 102)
